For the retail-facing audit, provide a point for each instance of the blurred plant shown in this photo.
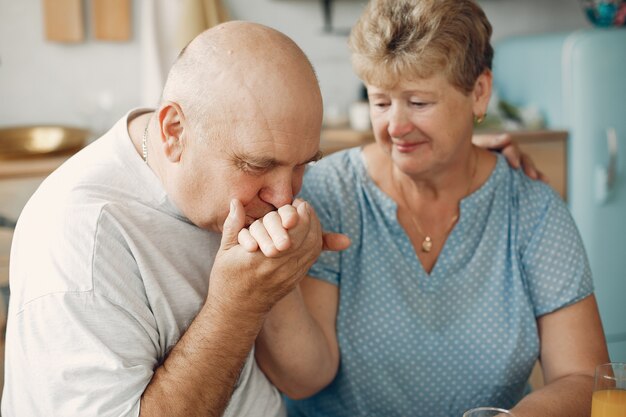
(503, 115)
(605, 13)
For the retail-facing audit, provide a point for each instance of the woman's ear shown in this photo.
(482, 93)
(171, 129)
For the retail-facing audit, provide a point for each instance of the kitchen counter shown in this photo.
(19, 178)
(5, 245)
(31, 167)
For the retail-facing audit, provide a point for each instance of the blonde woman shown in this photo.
(462, 271)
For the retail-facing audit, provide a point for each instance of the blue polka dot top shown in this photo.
(414, 344)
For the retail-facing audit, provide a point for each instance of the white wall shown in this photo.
(46, 82)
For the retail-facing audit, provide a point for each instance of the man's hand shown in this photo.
(271, 234)
(290, 240)
(511, 151)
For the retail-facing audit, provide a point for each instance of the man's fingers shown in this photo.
(299, 233)
(303, 208)
(492, 141)
(297, 202)
(512, 155)
(233, 224)
(529, 167)
(335, 241)
(272, 222)
(543, 177)
(246, 240)
(288, 216)
(531, 170)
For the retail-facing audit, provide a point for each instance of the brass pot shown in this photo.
(27, 141)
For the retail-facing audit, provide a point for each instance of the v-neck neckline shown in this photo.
(466, 210)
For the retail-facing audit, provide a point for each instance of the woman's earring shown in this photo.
(479, 119)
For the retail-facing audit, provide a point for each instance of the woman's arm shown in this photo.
(572, 345)
(297, 348)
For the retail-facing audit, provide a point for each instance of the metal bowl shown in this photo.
(28, 141)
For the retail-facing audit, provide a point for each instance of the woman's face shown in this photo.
(426, 125)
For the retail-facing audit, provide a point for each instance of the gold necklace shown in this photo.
(427, 243)
(144, 142)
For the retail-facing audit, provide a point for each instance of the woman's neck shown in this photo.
(448, 184)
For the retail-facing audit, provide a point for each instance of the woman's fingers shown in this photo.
(288, 216)
(246, 240)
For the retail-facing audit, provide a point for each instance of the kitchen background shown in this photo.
(93, 82)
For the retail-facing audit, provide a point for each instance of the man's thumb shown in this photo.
(233, 224)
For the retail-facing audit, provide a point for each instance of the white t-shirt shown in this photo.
(106, 275)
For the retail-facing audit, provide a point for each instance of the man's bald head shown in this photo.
(241, 117)
(238, 62)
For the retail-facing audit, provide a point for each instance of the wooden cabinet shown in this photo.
(547, 148)
(334, 140)
(19, 178)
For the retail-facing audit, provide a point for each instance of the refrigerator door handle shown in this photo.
(607, 175)
(611, 172)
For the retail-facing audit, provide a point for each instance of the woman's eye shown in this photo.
(418, 103)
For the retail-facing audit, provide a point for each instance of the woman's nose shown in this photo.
(399, 123)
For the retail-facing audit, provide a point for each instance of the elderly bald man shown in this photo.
(130, 294)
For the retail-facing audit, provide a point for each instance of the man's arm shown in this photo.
(199, 375)
(572, 345)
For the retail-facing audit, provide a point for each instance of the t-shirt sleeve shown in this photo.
(81, 339)
(554, 261)
(80, 355)
(322, 188)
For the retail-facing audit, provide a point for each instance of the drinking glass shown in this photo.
(609, 391)
(487, 412)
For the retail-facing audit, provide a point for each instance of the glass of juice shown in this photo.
(609, 391)
(487, 412)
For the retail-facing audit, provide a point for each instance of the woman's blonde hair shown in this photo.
(410, 39)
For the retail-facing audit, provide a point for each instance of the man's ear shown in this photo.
(171, 129)
(482, 93)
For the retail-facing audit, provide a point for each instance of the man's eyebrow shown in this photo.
(264, 162)
(258, 161)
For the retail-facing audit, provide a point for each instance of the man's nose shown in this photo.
(279, 193)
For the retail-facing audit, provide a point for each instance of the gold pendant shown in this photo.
(427, 244)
